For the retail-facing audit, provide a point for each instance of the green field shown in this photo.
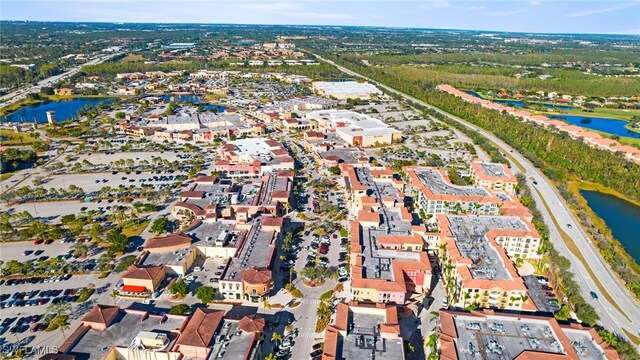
(14, 139)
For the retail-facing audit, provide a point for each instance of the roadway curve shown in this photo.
(22, 93)
(611, 318)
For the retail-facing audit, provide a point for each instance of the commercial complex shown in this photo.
(496, 335)
(364, 331)
(354, 128)
(346, 89)
(252, 157)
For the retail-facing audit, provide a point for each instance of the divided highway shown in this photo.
(611, 317)
(22, 93)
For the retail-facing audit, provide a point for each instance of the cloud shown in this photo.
(277, 6)
(603, 10)
(476, 7)
(505, 13)
(320, 15)
(379, 17)
(435, 4)
(629, 32)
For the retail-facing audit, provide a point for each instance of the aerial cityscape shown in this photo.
(319, 180)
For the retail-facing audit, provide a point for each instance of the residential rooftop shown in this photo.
(469, 234)
(499, 335)
(434, 181)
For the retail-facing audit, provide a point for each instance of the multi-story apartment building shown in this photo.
(435, 194)
(494, 176)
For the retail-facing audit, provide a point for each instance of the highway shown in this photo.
(610, 317)
(22, 93)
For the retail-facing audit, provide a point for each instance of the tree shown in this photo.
(159, 225)
(80, 250)
(120, 115)
(118, 241)
(179, 288)
(335, 170)
(206, 294)
(181, 309)
(276, 337)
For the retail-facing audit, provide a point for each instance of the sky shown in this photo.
(542, 16)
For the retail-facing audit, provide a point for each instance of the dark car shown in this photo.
(316, 353)
(594, 296)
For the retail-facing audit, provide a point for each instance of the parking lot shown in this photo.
(541, 293)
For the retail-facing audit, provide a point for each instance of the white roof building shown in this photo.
(346, 89)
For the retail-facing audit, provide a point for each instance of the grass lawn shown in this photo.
(14, 138)
(620, 114)
(132, 57)
(135, 230)
(5, 176)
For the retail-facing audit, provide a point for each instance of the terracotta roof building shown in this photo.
(496, 335)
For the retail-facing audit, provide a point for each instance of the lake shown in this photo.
(65, 110)
(193, 99)
(520, 104)
(610, 126)
(622, 217)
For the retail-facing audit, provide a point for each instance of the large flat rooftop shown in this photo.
(495, 170)
(256, 251)
(212, 230)
(380, 189)
(364, 341)
(433, 180)
(346, 87)
(95, 344)
(232, 341)
(376, 262)
(469, 234)
(503, 338)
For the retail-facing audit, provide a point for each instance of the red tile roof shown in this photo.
(251, 324)
(201, 328)
(257, 276)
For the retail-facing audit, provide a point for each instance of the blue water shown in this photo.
(193, 99)
(610, 126)
(519, 104)
(65, 110)
(621, 216)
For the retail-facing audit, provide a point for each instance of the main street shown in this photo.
(611, 317)
(22, 93)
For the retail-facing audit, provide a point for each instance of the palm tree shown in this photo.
(276, 337)
(271, 357)
(291, 272)
(63, 324)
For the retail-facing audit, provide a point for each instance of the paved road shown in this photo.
(20, 94)
(611, 318)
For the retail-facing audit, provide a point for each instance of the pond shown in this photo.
(193, 99)
(65, 110)
(622, 217)
(607, 125)
(520, 104)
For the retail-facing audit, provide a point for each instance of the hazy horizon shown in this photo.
(532, 16)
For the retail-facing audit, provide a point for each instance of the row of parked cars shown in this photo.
(36, 280)
(38, 297)
(17, 325)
